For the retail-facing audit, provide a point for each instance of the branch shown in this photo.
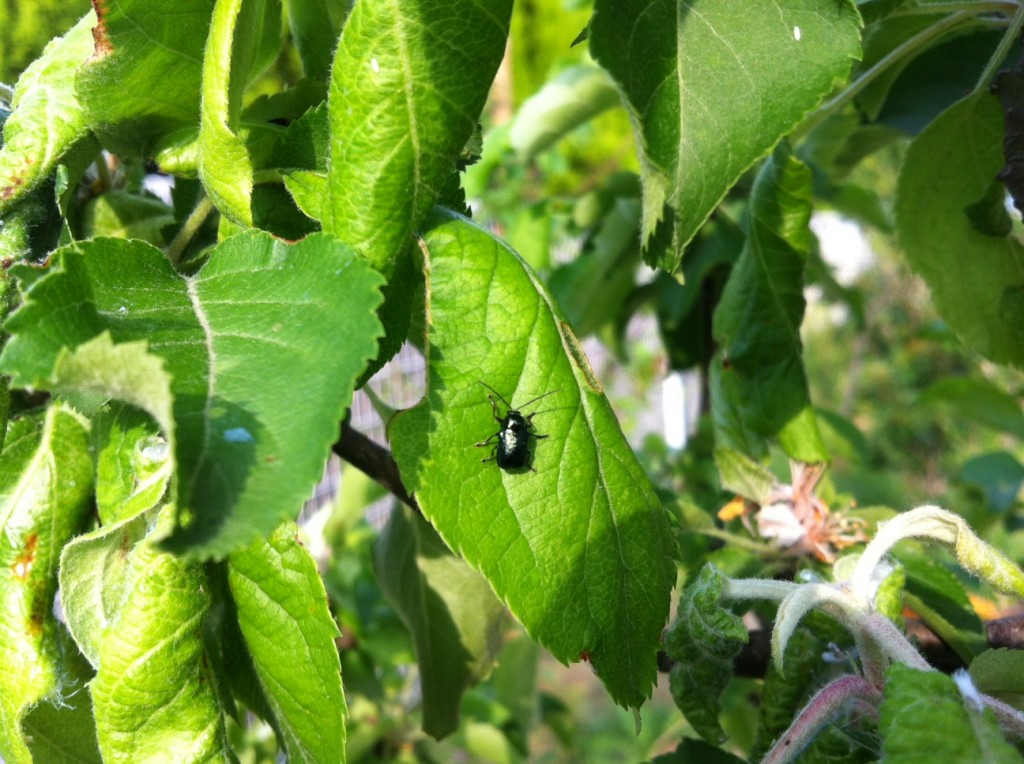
(373, 460)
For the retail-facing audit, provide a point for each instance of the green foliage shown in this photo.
(175, 370)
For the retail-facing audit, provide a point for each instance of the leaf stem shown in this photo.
(374, 460)
(192, 224)
(1012, 33)
(920, 40)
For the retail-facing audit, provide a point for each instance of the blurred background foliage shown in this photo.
(909, 415)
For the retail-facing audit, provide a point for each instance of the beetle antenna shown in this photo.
(552, 392)
(507, 404)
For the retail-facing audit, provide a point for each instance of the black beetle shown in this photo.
(512, 450)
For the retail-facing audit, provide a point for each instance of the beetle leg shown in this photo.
(485, 442)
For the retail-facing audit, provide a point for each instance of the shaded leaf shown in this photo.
(576, 543)
(977, 400)
(999, 474)
(711, 89)
(976, 280)
(450, 610)
(759, 385)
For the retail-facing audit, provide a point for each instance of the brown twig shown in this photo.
(374, 460)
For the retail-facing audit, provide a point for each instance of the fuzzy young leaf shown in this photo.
(923, 712)
(45, 485)
(450, 610)
(47, 120)
(263, 345)
(712, 87)
(759, 385)
(141, 89)
(703, 642)
(976, 279)
(288, 629)
(577, 544)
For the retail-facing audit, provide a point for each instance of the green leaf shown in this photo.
(743, 476)
(572, 97)
(133, 464)
(453, 616)
(975, 279)
(939, 598)
(1000, 673)
(128, 216)
(594, 287)
(141, 89)
(45, 485)
(262, 344)
(999, 474)
(923, 711)
(47, 120)
(759, 385)
(711, 88)
(95, 576)
(408, 84)
(315, 26)
(703, 641)
(578, 545)
(233, 51)
(282, 611)
(977, 400)
(153, 696)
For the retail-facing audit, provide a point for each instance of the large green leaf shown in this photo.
(141, 90)
(288, 629)
(45, 485)
(263, 345)
(408, 84)
(451, 612)
(759, 385)
(577, 544)
(47, 120)
(975, 276)
(712, 86)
